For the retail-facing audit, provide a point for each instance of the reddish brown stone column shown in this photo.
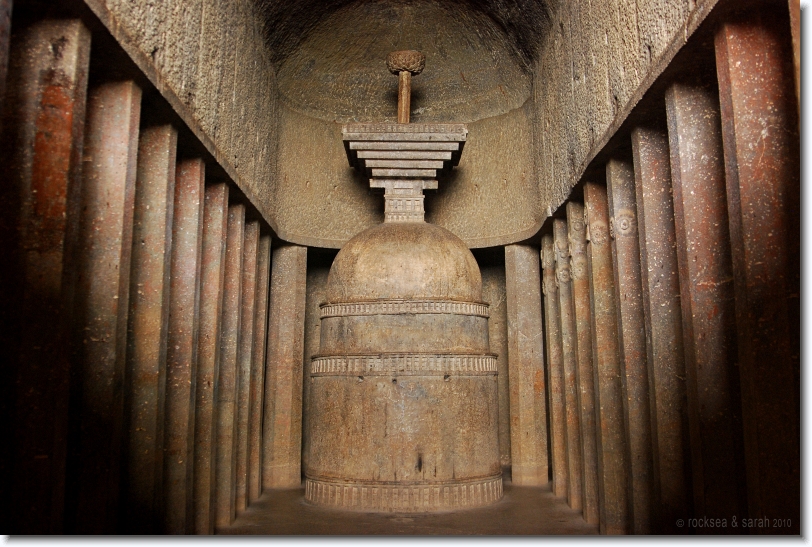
(5, 35)
(632, 348)
(528, 405)
(215, 218)
(102, 253)
(611, 432)
(708, 308)
(552, 327)
(182, 347)
(661, 304)
(147, 329)
(249, 292)
(586, 381)
(569, 359)
(41, 168)
(229, 368)
(258, 369)
(282, 428)
(762, 165)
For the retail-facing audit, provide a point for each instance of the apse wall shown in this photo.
(474, 74)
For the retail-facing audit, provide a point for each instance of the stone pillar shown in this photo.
(552, 326)
(708, 307)
(147, 329)
(249, 293)
(258, 369)
(631, 327)
(226, 452)
(661, 304)
(282, 428)
(575, 467)
(41, 168)
(102, 253)
(586, 380)
(611, 431)
(215, 217)
(754, 61)
(528, 405)
(5, 35)
(183, 332)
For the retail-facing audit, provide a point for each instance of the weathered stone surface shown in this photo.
(397, 367)
(663, 320)
(215, 218)
(258, 352)
(189, 51)
(707, 296)
(472, 71)
(754, 64)
(246, 358)
(41, 171)
(99, 317)
(494, 293)
(229, 380)
(618, 48)
(631, 330)
(415, 261)
(183, 331)
(611, 431)
(145, 375)
(528, 389)
(586, 380)
(572, 406)
(555, 367)
(282, 424)
(312, 169)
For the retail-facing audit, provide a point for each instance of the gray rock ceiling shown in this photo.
(288, 22)
(329, 55)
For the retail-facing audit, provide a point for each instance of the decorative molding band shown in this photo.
(402, 363)
(378, 128)
(418, 498)
(399, 307)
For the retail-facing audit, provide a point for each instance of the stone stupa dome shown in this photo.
(409, 261)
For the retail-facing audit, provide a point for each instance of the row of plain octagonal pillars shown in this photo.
(678, 321)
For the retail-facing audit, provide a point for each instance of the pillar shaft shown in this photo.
(147, 328)
(282, 428)
(528, 412)
(611, 431)
(586, 381)
(183, 333)
(226, 457)
(215, 217)
(42, 149)
(631, 330)
(249, 293)
(708, 309)
(102, 252)
(754, 62)
(661, 304)
(552, 327)
(569, 352)
(258, 369)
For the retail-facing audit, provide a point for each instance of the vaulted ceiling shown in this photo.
(329, 55)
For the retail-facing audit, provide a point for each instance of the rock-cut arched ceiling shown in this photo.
(329, 55)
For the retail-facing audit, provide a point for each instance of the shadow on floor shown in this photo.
(523, 511)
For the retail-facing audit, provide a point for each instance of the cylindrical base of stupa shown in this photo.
(403, 432)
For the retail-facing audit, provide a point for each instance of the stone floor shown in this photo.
(522, 511)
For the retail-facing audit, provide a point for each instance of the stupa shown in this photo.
(403, 390)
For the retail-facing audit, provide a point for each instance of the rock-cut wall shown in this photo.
(209, 59)
(595, 63)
